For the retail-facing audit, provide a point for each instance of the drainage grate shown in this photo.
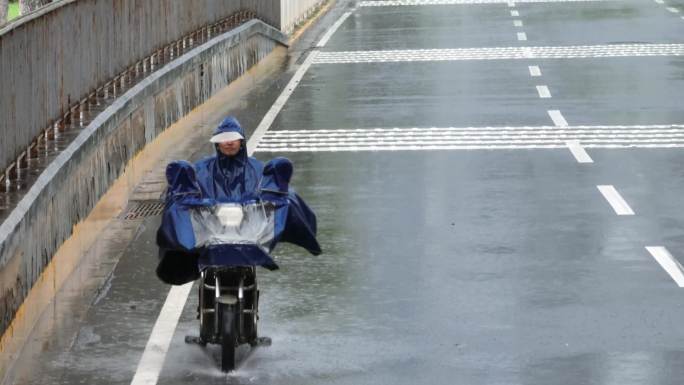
(144, 209)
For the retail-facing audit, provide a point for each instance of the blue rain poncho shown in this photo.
(209, 219)
(298, 220)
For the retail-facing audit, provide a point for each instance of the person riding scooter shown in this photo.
(228, 178)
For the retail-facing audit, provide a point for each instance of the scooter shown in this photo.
(222, 243)
(228, 311)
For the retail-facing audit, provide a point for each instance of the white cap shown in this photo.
(226, 137)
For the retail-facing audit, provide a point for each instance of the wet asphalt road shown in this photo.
(498, 266)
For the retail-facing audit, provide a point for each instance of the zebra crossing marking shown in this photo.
(396, 3)
(501, 53)
(474, 138)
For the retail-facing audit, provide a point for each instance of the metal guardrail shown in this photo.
(292, 12)
(54, 60)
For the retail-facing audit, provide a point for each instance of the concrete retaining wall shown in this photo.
(52, 59)
(69, 188)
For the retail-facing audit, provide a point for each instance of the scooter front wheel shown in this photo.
(228, 337)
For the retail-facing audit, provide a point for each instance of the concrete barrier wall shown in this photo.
(69, 188)
(55, 57)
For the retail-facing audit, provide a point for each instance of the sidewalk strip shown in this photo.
(668, 263)
(578, 152)
(615, 200)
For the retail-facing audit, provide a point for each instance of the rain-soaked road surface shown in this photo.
(471, 246)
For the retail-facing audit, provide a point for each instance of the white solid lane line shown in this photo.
(535, 71)
(332, 30)
(279, 103)
(557, 118)
(544, 92)
(517, 23)
(615, 200)
(668, 263)
(522, 36)
(153, 357)
(578, 152)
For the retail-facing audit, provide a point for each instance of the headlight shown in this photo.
(230, 215)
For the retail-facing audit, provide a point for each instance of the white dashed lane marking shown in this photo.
(557, 118)
(517, 23)
(578, 151)
(615, 200)
(544, 92)
(668, 263)
(522, 36)
(515, 13)
(535, 71)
